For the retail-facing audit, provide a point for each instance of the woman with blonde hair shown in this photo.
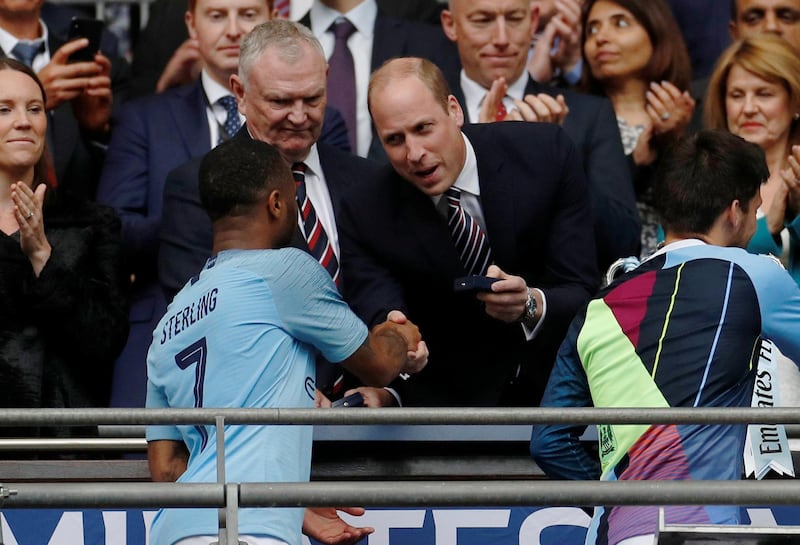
(754, 92)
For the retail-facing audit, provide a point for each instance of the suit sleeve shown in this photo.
(83, 304)
(185, 234)
(125, 182)
(570, 270)
(616, 220)
(557, 449)
(368, 286)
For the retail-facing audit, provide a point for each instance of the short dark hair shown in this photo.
(702, 174)
(237, 173)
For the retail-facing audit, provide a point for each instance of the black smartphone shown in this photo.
(353, 400)
(91, 29)
(474, 283)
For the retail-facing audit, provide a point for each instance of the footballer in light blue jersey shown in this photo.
(245, 333)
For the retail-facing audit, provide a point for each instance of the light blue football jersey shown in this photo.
(245, 333)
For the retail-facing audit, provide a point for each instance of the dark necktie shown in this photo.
(342, 77)
(470, 241)
(318, 244)
(232, 123)
(26, 50)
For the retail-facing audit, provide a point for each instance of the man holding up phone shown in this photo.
(79, 94)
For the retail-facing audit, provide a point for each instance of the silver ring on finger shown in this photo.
(30, 215)
(664, 116)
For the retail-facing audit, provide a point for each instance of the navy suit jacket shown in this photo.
(186, 235)
(397, 254)
(592, 126)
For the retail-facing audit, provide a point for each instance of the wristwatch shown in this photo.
(528, 316)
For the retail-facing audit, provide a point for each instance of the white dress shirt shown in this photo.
(215, 113)
(317, 191)
(8, 41)
(360, 44)
(474, 94)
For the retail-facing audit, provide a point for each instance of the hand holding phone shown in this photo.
(92, 30)
(474, 283)
(353, 400)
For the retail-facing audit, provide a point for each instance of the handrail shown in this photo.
(424, 416)
(400, 494)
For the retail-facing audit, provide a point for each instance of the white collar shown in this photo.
(213, 90)
(362, 16)
(8, 40)
(677, 245)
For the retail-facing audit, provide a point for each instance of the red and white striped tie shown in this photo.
(470, 241)
(319, 245)
(282, 7)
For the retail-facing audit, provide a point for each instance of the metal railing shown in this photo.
(228, 497)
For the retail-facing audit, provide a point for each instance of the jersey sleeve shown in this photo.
(779, 303)
(156, 399)
(312, 310)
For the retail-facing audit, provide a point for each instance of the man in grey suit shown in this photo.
(493, 39)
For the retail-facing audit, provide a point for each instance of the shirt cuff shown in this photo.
(530, 333)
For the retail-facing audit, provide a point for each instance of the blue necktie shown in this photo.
(232, 122)
(26, 50)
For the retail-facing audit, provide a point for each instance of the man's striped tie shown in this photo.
(471, 242)
(319, 245)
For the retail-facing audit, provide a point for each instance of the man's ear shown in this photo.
(237, 88)
(735, 214)
(733, 30)
(188, 18)
(274, 204)
(448, 25)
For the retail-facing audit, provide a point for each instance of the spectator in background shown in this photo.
(749, 18)
(682, 330)
(368, 38)
(165, 56)
(493, 39)
(755, 93)
(79, 95)
(62, 304)
(634, 55)
(555, 55)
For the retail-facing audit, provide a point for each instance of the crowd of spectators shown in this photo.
(614, 75)
(516, 140)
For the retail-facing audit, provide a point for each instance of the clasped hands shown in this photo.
(87, 85)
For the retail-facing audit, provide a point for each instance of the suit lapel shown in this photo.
(496, 179)
(416, 213)
(189, 112)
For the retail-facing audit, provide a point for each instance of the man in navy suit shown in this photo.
(281, 89)
(523, 186)
(376, 38)
(155, 134)
(493, 39)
